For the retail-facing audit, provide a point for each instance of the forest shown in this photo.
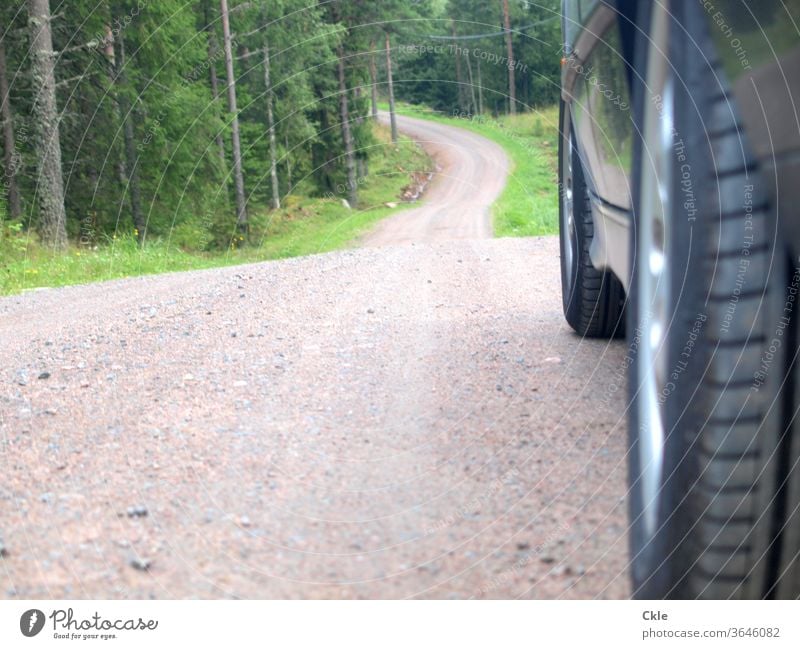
(194, 120)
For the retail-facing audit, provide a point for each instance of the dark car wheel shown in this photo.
(713, 513)
(593, 300)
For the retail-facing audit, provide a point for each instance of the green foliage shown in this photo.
(163, 92)
(12, 240)
(428, 62)
(170, 155)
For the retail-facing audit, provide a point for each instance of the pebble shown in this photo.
(138, 511)
(140, 563)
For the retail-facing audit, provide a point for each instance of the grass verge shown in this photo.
(303, 226)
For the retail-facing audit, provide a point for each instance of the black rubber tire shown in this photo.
(727, 510)
(593, 300)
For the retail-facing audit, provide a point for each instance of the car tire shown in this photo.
(593, 300)
(713, 456)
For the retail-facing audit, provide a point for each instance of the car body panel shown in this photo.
(594, 84)
(760, 52)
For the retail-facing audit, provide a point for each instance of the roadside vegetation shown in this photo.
(529, 204)
(303, 225)
(141, 137)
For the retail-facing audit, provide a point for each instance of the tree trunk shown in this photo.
(113, 71)
(130, 169)
(288, 165)
(238, 177)
(9, 146)
(361, 156)
(47, 144)
(474, 108)
(480, 90)
(347, 136)
(212, 72)
(459, 72)
(390, 84)
(273, 145)
(512, 83)
(373, 79)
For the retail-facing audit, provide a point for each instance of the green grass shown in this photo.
(529, 204)
(302, 226)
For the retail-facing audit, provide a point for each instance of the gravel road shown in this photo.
(403, 421)
(472, 174)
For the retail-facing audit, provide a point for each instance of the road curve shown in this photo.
(472, 172)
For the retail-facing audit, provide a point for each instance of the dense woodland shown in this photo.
(183, 118)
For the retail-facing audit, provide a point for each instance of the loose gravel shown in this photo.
(409, 421)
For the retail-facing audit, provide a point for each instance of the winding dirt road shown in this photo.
(410, 420)
(472, 174)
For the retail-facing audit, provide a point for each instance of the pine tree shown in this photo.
(342, 13)
(213, 49)
(512, 83)
(373, 79)
(459, 73)
(347, 136)
(396, 19)
(273, 143)
(50, 182)
(390, 88)
(130, 168)
(238, 177)
(9, 144)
